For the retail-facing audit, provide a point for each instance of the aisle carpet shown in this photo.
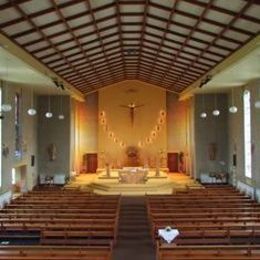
(134, 240)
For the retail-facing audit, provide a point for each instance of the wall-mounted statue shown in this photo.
(212, 151)
(52, 152)
(5, 150)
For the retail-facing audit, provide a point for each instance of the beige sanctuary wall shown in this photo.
(84, 133)
(28, 135)
(236, 140)
(117, 134)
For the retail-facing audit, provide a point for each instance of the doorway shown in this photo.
(172, 161)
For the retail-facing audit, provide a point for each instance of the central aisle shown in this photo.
(134, 240)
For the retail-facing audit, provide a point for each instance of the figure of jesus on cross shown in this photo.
(132, 108)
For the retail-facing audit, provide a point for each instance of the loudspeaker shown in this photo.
(234, 160)
(32, 160)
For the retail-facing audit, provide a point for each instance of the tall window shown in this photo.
(17, 123)
(0, 139)
(247, 134)
(13, 175)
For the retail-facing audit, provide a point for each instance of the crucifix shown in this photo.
(132, 108)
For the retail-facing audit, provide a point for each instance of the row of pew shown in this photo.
(59, 224)
(216, 222)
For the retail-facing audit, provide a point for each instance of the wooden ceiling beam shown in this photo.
(77, 42)
(145, 12)
(100, 39)
(223, 11)
(113, 48)
(119, 23)
(177, 55)
(168, 23)
(247, 5)
(50, 10)
(87, 72)
(44, 36)
(10, 4)
(195, 17)
(189, 27)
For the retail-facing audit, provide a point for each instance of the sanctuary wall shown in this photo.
(132, 125)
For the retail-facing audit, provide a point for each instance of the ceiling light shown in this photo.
(48, 114)
(61, 117)
(31, 112)
(216, 112)
(203, 115)
(233, 108)
(205, 81)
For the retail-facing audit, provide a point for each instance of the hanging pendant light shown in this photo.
(203, 114)
(61, 115)
(233, 108)
(6, 106)
(215, 112)
(49, 114)
(257, 103)
(32, 111)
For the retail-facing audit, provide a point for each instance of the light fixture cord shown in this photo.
(203, 102)
(215, 101)
(32, 101)
(61, 104)
(49, 103)
(232, 96)
(6, 82)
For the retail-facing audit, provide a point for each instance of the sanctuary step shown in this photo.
(134, 239)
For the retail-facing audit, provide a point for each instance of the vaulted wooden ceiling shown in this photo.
(94, 43)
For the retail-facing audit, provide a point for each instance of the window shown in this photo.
(13, 175)
(1, 139)
(247, 134)
(17, 123)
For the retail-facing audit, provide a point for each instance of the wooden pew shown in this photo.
(216, 216)
(55, 253)
(200, 252)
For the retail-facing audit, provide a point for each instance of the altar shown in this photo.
(132, 181)
(133, 175)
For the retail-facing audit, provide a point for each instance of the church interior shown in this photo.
(129, 129)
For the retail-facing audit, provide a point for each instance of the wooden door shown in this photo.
(172, 159)
(90, 161)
